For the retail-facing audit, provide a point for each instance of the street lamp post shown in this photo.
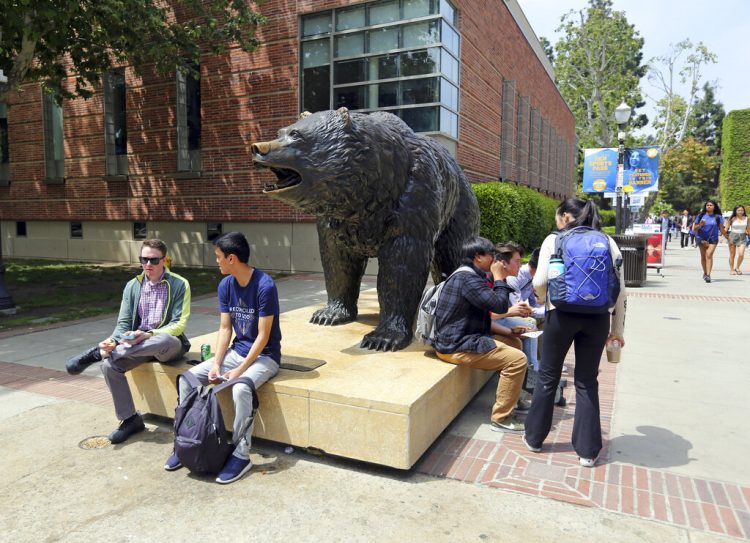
(6, 302)
(622, 116)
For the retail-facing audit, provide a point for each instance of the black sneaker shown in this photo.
(128, 427)
(79, 363)
(707, 279)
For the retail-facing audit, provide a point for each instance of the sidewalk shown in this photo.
(674, 467)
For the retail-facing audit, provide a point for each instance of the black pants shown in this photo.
(589, 334)
(684, 237)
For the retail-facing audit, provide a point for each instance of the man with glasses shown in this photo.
(154, 311)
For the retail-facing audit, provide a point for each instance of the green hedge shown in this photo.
(609, 217)
(513, 213)
(734, 180)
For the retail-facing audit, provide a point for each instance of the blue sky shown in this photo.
(722, 25)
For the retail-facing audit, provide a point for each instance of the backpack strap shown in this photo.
(245, 381)
(190, 378)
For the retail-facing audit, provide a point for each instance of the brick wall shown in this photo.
(246, 98)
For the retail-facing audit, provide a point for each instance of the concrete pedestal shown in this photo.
(385, 408)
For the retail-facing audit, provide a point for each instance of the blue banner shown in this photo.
(641, 169)
(599, 170)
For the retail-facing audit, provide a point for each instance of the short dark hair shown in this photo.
(157, 244)
(473, 246)
(234, 243)
(504, 251)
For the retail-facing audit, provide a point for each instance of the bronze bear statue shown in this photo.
(379, 190)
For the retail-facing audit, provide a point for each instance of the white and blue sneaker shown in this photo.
(234, 469)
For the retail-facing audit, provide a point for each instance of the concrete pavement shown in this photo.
(676, 415)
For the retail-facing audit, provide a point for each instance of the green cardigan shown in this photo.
(175, 315)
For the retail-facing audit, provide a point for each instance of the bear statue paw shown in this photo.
(332, 315)
(386, 340)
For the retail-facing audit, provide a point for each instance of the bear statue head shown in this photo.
(324, 163)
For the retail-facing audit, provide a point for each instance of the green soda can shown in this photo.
(205, 352)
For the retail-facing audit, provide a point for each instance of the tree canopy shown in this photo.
(598, 64)
(50, 40)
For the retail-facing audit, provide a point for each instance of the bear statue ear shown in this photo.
(304, 114)
(344, 113)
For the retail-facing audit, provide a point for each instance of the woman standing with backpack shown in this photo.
(738, 228)
(588, 331)
(708, 226)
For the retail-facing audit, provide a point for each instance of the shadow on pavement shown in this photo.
(656, 448)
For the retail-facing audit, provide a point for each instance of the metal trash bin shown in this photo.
(633, 249)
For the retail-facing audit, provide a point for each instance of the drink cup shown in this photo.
(613, 352)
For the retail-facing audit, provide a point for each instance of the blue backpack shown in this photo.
(201, 440)
(582, 277)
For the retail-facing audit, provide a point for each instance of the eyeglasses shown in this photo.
(153, 261)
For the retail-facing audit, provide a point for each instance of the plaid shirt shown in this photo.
(462, 316)
(152, 303)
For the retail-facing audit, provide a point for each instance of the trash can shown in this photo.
(633, 249)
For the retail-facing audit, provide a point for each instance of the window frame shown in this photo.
(188, 160)
(116, 163)
(54, 168)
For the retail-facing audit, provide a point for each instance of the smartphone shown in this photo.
(221, 378)
(128, 337)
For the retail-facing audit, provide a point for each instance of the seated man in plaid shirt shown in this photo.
(462, 328)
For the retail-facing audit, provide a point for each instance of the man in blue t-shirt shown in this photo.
(249, 306)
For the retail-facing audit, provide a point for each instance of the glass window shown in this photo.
(349, 18)
(52, 115)
(140, 230)
(115, 123)
(20, 229)
(316, 53)
(419, 91)
(318, 23)
(76, 230)
(448, 122)
(4, 147)
(214, 230)
(385, 67)
(316, 85)
(384, 12)
(420, 62)
(350, 45)
(188, 122)
(421, 34)
(350, 71)
(447, 11)
(419, 8)
(351, 97)
(383, 95)
(383, 39)
(449, 65)
(448, 94)
(119, 111)
(421, 119)
(450, 38)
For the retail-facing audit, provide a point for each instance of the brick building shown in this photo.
(169, 157)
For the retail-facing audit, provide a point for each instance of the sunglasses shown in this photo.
(153, 261)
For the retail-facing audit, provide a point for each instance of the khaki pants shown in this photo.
(509, 362)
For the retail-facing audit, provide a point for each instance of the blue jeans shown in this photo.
(530, 345)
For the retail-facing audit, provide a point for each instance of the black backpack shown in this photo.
(201, 440)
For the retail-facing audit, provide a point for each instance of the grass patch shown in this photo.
(50, 291)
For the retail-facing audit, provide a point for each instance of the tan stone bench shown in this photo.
(385, 408)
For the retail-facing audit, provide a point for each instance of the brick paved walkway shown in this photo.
(715, 506)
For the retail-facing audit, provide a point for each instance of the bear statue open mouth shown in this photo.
(286, 179)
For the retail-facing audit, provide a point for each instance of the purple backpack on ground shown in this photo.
(201, 441)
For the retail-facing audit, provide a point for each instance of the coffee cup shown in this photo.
(613, 352)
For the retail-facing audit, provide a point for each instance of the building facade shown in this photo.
(169, 156)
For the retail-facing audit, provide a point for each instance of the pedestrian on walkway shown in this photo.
(150, 326)
(738, 229)
(685, 225)
(588, 332)
(708, 226)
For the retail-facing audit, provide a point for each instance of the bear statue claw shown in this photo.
(386, 340)
(329, 316)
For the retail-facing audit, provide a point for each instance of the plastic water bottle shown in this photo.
(556, 268)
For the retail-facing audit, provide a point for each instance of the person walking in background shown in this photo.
(589, 332)
(708, 226)
(685, 225)
(738, 229)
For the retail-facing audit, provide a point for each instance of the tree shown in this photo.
(708, 117)
(549, 50)
(688, 175)
(50, 40)
(598, 65)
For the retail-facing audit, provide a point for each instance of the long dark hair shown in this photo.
(585, 213)
(717, 210)
(734, 213)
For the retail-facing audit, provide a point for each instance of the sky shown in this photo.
(722, 25)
